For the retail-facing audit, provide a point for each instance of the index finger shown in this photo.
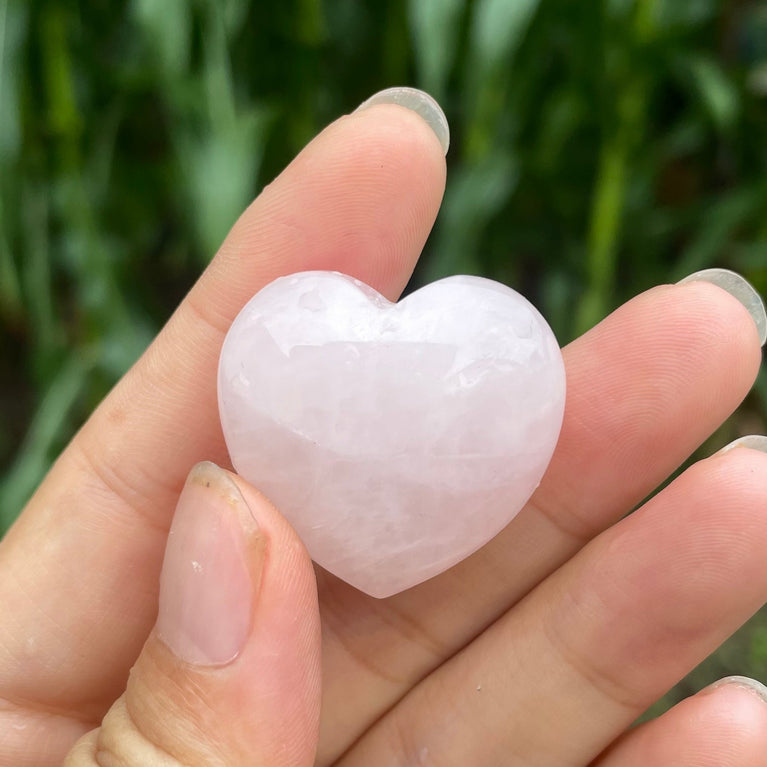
(80, 567)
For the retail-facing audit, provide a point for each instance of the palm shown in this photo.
(542, 647)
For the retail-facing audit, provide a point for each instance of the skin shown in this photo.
(540, 649)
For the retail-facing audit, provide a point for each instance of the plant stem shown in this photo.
(609, 198)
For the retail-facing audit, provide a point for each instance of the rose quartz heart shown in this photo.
(396, 438)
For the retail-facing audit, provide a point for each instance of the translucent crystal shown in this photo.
(396, 438)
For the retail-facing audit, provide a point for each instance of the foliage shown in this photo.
(598, 148)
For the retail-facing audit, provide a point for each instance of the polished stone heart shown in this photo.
(396, 438)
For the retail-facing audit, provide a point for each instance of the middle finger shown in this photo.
(634, 412)
(560, 676)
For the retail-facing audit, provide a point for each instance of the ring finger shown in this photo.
(723, 725)
(562, 674)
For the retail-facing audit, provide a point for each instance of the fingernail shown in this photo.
(739, 287)
(744, 682)
(752, 441)
(419, 102)
(211, 570)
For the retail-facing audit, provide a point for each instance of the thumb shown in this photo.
(231, 673)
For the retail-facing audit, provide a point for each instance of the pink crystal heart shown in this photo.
(396, 438)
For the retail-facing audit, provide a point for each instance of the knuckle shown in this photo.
(119, 742)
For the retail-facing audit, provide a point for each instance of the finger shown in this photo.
(79, 569)
(724, 725)
(561, 675)
(231, 674)
(645, 388)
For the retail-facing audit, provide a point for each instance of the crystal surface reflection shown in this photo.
(396, 438)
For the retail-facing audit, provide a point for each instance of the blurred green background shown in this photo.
(598, 148)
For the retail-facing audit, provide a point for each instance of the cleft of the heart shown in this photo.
(397, 438)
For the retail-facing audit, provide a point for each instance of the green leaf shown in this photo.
(688, 13)
(10, 284)
(716, 91)
(235, 15)
(167, 26)
(475, 195)
(499, 28)
(718, 221)
(36, 267)
(434, 29)
(34, 456)
(309, 19)
(13, 25)
(758, 649)
(221, 169)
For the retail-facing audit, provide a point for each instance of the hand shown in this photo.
(540, 649)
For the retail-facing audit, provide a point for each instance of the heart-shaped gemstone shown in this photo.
(396, 438)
